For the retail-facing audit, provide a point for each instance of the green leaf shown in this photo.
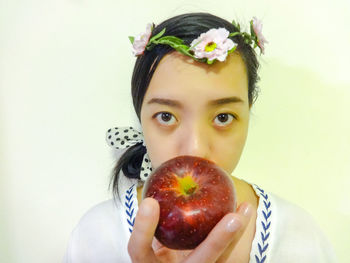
(158, 35)
(232, 50)
(236, 25)
(149, 47)
(252, 32)
(247, 38)
(210, 61)
(131, 39)
(234, 34)
(173, 39)
(185, 51)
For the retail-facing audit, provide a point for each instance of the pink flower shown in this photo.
(141, 41)
(257, 26)
(214, 44)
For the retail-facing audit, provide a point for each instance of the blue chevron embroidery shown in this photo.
(266, 224)
(129, 207)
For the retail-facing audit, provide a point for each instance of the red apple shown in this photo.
(193, 194)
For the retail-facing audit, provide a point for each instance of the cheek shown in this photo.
(159, 148)
(229, 150)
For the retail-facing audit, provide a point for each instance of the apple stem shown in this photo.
(190, 190)
(187, 185)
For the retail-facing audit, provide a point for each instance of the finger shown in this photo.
(163, 253)
(140, 243)
(239, 238)
(229, 229)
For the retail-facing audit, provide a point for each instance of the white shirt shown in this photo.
(285, 233)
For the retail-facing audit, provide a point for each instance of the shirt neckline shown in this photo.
(262, 238)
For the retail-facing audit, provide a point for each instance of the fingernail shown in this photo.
(156, 244)
(146, 210)
(247, 211)
(233, 225)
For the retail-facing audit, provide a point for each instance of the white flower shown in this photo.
(257, 26)
(141, 41)
(214, 44)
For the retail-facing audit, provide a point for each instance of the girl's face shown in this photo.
(191, 108)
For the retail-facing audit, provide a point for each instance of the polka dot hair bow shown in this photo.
(125, 137)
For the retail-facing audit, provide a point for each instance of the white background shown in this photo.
(65, 71)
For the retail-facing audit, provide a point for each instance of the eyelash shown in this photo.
(155, 116)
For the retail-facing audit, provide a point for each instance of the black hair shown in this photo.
(187, 27)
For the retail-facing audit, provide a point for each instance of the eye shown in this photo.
(165, 118)
(224, 119)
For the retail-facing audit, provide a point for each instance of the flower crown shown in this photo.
(213, 45)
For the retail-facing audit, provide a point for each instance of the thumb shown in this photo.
(140, 243)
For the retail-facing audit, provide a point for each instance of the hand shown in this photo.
(223, 237)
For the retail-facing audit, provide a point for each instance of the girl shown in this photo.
(193, 86)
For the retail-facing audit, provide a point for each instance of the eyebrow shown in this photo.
(212, 103)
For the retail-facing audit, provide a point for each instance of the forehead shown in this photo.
(179, 75)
